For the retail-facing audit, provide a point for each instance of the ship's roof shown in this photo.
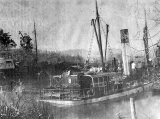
(105, 74)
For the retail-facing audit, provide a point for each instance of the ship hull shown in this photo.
(103, 98)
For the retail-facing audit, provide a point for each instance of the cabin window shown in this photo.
(101, 81)
(74, 79)
(95, 81)
(105, 80)
(109, 78)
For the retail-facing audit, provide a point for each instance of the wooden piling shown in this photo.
(133, 112)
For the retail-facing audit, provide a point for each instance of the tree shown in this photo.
(6, 41)
(26, 43)
(79, 59)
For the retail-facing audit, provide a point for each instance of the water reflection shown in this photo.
(147, 107)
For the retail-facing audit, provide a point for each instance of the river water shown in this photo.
(147, 107)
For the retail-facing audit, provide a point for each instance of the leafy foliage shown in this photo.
(22, 108)
(47, 60)
(26, 43)
(6, 41)
(57, 57)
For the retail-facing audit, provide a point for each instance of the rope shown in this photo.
(90, 48)
(110, 50)
(144, 49)
(147, 32)
(154, 26)
(148, 38)
(153, 47)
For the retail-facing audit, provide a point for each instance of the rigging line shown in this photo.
(153, 47)
(156, 7)
(106, 24)
(144, 49)
(133, 5)
(90, 48)
(135, 2)
(103, 20)
(138, 32)
(136, 16)
(137, 8)
(110, 50)
(131, 57)
(157, 2)
(127, 44)
(135, 50)
(151, 36)
(154, 26)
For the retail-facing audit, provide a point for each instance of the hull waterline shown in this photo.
(61, 102)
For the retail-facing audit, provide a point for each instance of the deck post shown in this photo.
(133, 112)
(39, 83)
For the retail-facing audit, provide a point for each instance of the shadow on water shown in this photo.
(147, 107)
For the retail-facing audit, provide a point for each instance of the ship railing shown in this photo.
(110, 88)
(75, 94)
(67, 93)
(105, 88)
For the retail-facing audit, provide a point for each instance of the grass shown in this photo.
(18, 107)
(25, 106)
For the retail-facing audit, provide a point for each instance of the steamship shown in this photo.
(90, 87)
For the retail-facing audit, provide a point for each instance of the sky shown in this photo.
(66, 24)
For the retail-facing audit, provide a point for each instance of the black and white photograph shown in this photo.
(79, 59)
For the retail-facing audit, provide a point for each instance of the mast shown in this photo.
(158, 54)
(145, 39)
(99, 34)
(94, 25)
(35, 41)
(106, 40)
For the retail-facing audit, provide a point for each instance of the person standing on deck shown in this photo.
(133, 66)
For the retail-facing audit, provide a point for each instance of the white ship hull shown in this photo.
(103, 98)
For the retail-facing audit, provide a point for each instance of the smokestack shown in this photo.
(125, 58)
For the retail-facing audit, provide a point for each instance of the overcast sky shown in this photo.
(66, 24)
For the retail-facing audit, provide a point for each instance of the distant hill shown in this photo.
(84, 53)
(75, 52)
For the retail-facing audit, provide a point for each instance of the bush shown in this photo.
(20, 108)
